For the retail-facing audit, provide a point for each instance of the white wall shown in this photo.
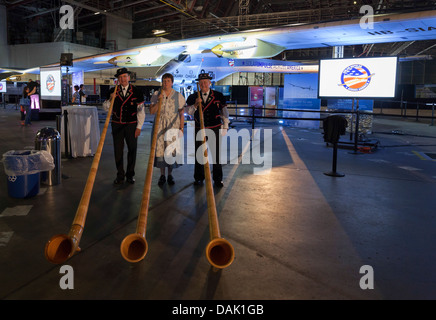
(118, 31)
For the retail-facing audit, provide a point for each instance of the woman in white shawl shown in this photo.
(171, 126)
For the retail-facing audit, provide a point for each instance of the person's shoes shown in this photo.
(161, 180)
(131, 180)
(198, 182)
(118, 181)
(219, 184)
(171, 180)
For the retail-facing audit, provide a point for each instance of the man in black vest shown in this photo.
(215, 116)
(128, 116)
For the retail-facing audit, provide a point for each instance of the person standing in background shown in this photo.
(25, 103)
(82, 95)
(33, 94)
(76, 95)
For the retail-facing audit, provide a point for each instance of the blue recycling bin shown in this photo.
(24, 186)
(23, 168)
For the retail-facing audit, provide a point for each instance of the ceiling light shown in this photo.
(157, 31)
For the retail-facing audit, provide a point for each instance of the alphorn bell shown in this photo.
(134, 247)
(219, 251)
(61, 247)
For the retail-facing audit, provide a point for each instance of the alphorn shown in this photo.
(134, 247)
(219, 251)
(61, 247)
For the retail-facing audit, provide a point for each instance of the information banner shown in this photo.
(270, 101)
(256, 100)
(300, 92)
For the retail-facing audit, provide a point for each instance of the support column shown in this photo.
(338, 52)
(4, 49)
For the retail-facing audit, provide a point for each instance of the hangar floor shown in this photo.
(297, 233)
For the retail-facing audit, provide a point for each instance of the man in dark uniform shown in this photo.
(215, 116)
(128, 116)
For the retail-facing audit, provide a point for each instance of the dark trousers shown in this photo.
(121, 133)
(217, 171)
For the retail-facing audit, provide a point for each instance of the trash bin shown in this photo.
(23, 169)
(49, 139)
(24, 186)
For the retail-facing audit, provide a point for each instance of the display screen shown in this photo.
(50, 81)
(358, 78)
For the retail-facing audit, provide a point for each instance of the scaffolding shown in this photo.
(244, 7)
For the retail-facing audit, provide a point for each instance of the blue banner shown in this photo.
(300, 92)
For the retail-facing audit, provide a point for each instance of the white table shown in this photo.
(83, 130)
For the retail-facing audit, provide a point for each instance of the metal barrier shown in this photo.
(252, 117)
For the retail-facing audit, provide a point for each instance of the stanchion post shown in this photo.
(356, 132)
(252, 117)
(352, 119)
(432, 114)
(334, 173)
(66, 137)
(59, 122)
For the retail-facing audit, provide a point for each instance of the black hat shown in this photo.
(203, 76)
(121, 71)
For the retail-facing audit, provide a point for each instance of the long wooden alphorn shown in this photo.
(219, 251)
(61, 247)
(134, 247)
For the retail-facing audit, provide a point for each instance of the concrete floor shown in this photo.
(297, 233)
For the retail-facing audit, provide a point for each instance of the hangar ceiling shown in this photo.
(38, 21)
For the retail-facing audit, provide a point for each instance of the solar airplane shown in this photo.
(250, 51)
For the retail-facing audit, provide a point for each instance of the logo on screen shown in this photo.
(1, 86)
(355, 77)
(50, 83)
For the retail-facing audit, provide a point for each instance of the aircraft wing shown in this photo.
(265, 43)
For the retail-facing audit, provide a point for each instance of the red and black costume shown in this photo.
(212, 105)
(124, 122)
